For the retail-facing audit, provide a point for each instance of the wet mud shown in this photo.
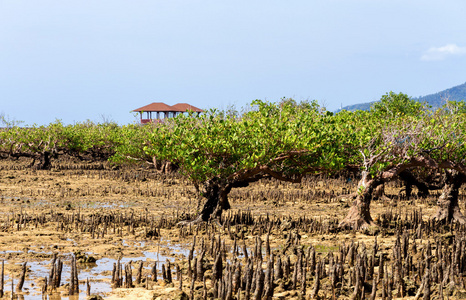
(112, 220)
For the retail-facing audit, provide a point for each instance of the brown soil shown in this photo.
(80, 190)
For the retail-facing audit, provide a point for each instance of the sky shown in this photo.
(79, 60)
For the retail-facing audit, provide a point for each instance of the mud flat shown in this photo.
(279, 240)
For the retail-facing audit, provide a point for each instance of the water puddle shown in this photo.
(98, 273)
(106, 205)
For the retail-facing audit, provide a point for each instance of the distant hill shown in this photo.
(360, 106)
(456, 93)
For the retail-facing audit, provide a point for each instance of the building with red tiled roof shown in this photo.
(157, 111)
(184, 107)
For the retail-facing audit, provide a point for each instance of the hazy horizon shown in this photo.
(79, 60)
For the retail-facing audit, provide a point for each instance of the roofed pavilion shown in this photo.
(158, 111)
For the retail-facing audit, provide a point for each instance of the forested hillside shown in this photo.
(456, 93)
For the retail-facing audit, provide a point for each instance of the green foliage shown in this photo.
(386, 142)
(284, 140)
(393, 105)
(288, 138)
(435, 101)
(98, 141)
(129, 144)
(454, 107)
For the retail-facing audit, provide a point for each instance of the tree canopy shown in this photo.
(221, 150)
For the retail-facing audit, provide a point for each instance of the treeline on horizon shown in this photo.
(434, 101)
(221, 150)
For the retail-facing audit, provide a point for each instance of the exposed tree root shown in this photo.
(448, 208)
(358, 217)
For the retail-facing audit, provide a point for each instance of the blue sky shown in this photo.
(77, 60)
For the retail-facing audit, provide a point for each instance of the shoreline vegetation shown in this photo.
(282, 201)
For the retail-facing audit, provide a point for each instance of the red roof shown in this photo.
(183, 107)
(160, 106)
(156, 106)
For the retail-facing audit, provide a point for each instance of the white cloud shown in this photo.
(441, 53)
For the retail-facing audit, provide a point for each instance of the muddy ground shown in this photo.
(105, 213)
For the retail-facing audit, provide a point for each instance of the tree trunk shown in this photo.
(216, 193)
(44, 161)
(379, 192)
(157, 163)
(410, 180)
(449, 209)
(359, 215)
(164, 166)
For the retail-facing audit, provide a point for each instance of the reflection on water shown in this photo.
(99, 273)
(107, 205)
